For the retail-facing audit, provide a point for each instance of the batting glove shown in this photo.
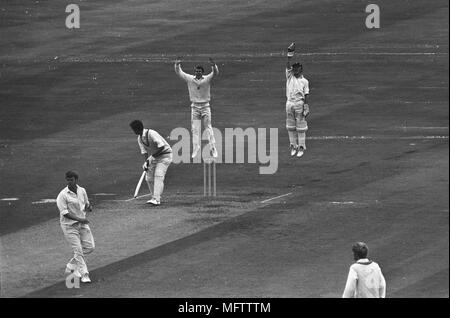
(147, 163)
(305, 110)
(291, 50)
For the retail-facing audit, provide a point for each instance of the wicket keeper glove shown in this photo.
(291, 50)
(305, 110)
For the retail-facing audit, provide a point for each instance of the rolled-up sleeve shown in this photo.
(86, 199)
(306, 91)
(62, 204)
(350, 286)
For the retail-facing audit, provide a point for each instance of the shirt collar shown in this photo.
(363, 260)
(198, 79)
(68, 190)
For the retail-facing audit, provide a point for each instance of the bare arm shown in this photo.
(72, 216)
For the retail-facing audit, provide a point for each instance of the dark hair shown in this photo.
(137, 126)
(360, 250)
(199, 67)
(297, 65)
(71, 174)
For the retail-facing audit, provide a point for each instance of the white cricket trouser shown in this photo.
(199, 115)
(296, 123)
(156, 173)
(81, 240)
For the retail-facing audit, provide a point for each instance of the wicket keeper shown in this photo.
(297, 109)
(157, 155)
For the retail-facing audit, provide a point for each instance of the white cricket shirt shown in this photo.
(151, 141)
(68, 201)
(296, 88)
(365, 280)
(199, 89)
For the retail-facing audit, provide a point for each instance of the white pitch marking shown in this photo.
(280, 196)
(42, 201)
(105, 194)
(342, 202)
(9, 199)
(374, 137)
(425, 128)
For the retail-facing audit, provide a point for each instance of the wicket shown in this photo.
(209, 172)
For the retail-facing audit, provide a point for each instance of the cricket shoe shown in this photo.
(300, 152)
(153, 202)
(85, 278)
(294, 150)
(214, 152)
(195, 152)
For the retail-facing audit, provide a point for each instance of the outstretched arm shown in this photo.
(290, 55)
(179, 71)
(214, 67)
(214, 70)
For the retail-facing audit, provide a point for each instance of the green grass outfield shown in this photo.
(376, 167)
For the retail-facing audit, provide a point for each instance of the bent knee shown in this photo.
(302, 126)
(88, 250)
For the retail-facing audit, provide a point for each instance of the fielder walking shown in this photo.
(365, 279)
(73, 203)
(199, 87)
(157, 154)
(297, 109)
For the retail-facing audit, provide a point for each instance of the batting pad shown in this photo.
(302, 126)
(290, 124)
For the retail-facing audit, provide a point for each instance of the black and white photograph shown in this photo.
(203, 150)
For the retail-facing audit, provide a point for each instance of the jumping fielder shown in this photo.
(297, 109)
(365, 279)
(73, 203)
(157, 155)
(199, 93)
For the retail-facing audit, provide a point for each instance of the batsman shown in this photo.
(297, 108)
(157, 154)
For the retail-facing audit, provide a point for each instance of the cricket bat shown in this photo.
(138, 187)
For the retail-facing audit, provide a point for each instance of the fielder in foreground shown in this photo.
(157, 154)
(365, 279)
(297, 109)
(199, 87)
(73, 203)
